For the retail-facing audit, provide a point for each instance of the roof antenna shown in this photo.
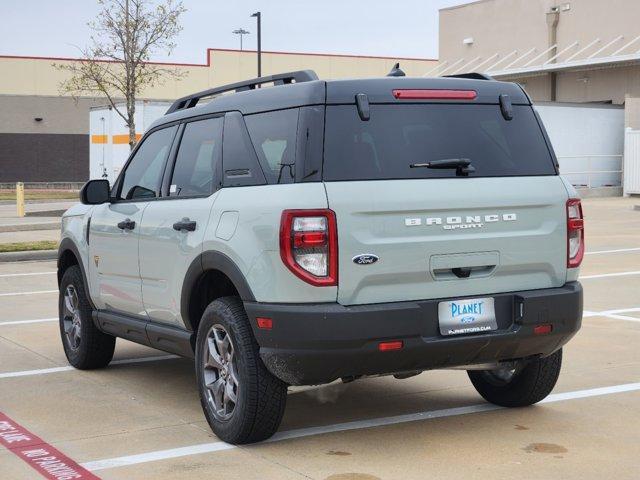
(396, 71)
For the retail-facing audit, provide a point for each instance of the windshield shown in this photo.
(398, 136)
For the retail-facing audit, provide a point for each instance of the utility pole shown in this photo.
(258, 18)
(241, 32)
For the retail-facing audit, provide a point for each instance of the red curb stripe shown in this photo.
(39, 455)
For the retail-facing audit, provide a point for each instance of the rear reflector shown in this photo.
(388, 346)
(435, 94)
(542, 329)
(264, 323)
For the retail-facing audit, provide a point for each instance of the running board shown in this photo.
(151, 334)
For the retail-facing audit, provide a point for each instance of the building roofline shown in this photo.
(455, 7)
(315, 54)
(207, 63)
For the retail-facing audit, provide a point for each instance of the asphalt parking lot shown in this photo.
(140, 418)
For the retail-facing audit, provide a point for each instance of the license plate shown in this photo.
(471, 315)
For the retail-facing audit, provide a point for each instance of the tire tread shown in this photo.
(96, 347)
(266, 395)
(531, 385)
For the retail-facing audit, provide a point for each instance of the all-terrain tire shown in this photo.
(260, 397)
(529, 385)
(91, 348)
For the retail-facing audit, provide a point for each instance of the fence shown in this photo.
(631, 162)
(592, 170)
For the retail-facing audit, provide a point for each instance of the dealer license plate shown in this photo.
(471, 315)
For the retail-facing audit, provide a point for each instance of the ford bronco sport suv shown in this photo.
(321, 230)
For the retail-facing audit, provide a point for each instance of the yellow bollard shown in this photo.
(20, 198)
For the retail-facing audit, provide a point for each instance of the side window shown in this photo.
(241, 167)
(274, 138)
(196, 171)
(144, 173)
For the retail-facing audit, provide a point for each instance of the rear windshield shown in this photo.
(397, 136)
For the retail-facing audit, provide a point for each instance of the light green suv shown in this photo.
(322, 230)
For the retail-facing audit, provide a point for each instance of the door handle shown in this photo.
(127, 224)
(185, 225)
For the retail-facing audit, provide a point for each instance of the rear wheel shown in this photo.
(242, 401)
(520, 386)
(85, 346)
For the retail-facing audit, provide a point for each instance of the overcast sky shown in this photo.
(402, 28)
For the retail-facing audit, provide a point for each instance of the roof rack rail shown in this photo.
(471, 75)
(192, 100)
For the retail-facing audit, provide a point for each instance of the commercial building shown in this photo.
(44, 136)
(583, 52)
(574, 51)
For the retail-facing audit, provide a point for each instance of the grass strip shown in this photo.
(28, 246)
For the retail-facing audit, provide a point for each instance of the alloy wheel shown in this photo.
(220, 373)
(71, 317)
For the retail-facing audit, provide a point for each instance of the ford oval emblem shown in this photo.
(365, 259)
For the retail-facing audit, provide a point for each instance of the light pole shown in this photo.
(241, 32)
(258, 17)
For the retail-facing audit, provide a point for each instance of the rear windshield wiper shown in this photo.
(462, 165)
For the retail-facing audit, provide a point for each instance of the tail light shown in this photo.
(309, 245)
(575, 233)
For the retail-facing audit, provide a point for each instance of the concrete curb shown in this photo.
(28, 256)
(27, 227)
(46, 213)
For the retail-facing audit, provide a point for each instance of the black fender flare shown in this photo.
(67, 244)
(204, 262)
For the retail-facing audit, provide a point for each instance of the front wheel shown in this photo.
(84, 345)
(521, 386)
(242, 401)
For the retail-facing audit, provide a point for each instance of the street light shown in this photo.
(258, 17)
(241, 32)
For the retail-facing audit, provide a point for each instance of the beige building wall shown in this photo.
(38, 76)
(632, 113)
(501, 26)
(496, 26)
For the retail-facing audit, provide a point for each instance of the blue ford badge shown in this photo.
(365, 259)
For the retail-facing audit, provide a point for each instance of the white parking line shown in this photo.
(614, 314)
(22, 322)
(617, 250)
(342, 427)
(13, 294)
(45, 371)
(29, 274)
(606, 275)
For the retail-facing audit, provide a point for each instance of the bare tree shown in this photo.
(116, 62)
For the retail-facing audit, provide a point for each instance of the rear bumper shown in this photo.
(318, 343)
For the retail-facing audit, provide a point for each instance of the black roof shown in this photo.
(317, 92)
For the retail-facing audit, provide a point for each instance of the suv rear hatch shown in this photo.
(409, 232)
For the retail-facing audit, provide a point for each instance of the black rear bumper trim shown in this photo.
(318, 343)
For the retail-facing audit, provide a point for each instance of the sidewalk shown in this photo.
(29, 236)
(8, 210)
(40, 216)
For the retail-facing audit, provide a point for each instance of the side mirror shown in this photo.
(95, 192)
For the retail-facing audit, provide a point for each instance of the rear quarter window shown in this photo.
(397, 136)
(274, 138)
